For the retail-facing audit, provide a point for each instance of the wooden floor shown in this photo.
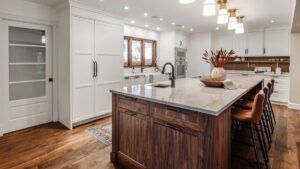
(53, 146)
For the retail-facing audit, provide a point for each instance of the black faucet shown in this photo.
(172, 75)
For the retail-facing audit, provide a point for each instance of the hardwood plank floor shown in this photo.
(52, 146)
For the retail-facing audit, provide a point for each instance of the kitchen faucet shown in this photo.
(172, 75)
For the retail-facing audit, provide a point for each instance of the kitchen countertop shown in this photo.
(141, 74)
(271, 74)
(192, 95)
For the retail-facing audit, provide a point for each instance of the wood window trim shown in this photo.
(154, 52)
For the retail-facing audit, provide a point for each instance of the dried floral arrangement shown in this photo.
(218, 58)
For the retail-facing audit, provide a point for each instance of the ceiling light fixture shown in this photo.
(182, 26)
(217, 28)
(146, 25)
(173, 23)
(146, 14)
(191, 29)
(222, 14)
(232, 23)
(158, 28)
(209, 8)
(126, 8)
(186, 1)
(240, 25)
(132, 21)
(161, 19)
(272, 21)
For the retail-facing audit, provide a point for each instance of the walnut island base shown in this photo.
(187, 127)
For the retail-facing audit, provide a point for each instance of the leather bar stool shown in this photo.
(252, 118)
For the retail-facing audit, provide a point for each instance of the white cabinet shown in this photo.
(223, 41)
(281, 89)
(276, 42)
(254, 44)
(97, 46)
(240, 44)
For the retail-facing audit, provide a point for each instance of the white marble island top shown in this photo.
(191, 94)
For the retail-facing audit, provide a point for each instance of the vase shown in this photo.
(218, 73)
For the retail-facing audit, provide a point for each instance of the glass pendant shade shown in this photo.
(232, 23)
(222, 16)
(186, 1)
(239, 28)
(209, 8)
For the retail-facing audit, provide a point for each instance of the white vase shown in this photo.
(218, 72)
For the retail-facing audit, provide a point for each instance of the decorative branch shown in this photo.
(218, 58)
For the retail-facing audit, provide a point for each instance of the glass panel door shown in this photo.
(27, 63)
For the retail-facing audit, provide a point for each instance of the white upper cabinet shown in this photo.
(239, 44)
(276, 42)
(255, 44)
(223, 41)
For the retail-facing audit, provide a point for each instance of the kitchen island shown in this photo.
(186, 127)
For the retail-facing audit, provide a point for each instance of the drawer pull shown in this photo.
(131, 99)
(130, 113)
(171, 109)
(173, 127)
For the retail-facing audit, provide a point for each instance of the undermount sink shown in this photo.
(160, 85)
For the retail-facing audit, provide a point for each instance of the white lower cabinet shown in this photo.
(281, 89)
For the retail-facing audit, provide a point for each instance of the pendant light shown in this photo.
(222, 14)
(209, 8)
(232, 22)
(186, 1)
(240, 25)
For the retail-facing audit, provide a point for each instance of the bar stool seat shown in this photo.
(242, 115)
(245, 104)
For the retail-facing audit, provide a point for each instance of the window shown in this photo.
(139, 51)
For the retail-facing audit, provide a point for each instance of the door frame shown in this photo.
(49, 68)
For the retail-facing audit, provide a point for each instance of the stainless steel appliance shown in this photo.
(180, 63)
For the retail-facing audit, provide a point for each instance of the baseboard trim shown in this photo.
(294, 106)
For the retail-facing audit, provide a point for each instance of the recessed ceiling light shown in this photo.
(158, 28)
(126, 7)
(161, 19)
(191, 29)
(186, 1)
(182, 26)
(272, 21)
(173, 23)
(146, 25)
(145, 14)
(217, 28)
(101, 0)
(132, 22)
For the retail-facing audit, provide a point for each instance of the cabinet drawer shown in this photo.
(133, 104)
(179, 117)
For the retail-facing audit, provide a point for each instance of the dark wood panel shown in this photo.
(133, 137)
(133, 104)
(184, 118)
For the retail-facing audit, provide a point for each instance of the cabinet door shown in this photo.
(174, 149)
(255, 44)
(83, 54)
(133, 138)
(240, 44)
(223, 41)
(276, 43)
(108, 48)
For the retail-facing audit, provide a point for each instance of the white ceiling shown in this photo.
(258, 13)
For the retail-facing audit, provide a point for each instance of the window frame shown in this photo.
(143, 61)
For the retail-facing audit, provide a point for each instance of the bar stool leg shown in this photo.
(254, 146)
(262, 145)
(267, 130)
(272, 111)
(270, 120)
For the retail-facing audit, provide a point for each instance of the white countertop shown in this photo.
(272, 74)
(191, 94)
(141, 74)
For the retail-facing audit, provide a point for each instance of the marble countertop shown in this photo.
(272, 74)
(191, 94)
(141, 74)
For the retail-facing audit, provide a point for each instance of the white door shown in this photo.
(276, 42)
(109, 52)
(83, 72)
(29, 68)
(240, 44)
(255, 44)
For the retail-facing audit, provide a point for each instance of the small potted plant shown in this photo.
(218, 59)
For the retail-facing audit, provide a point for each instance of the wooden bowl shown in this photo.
(213, 82)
